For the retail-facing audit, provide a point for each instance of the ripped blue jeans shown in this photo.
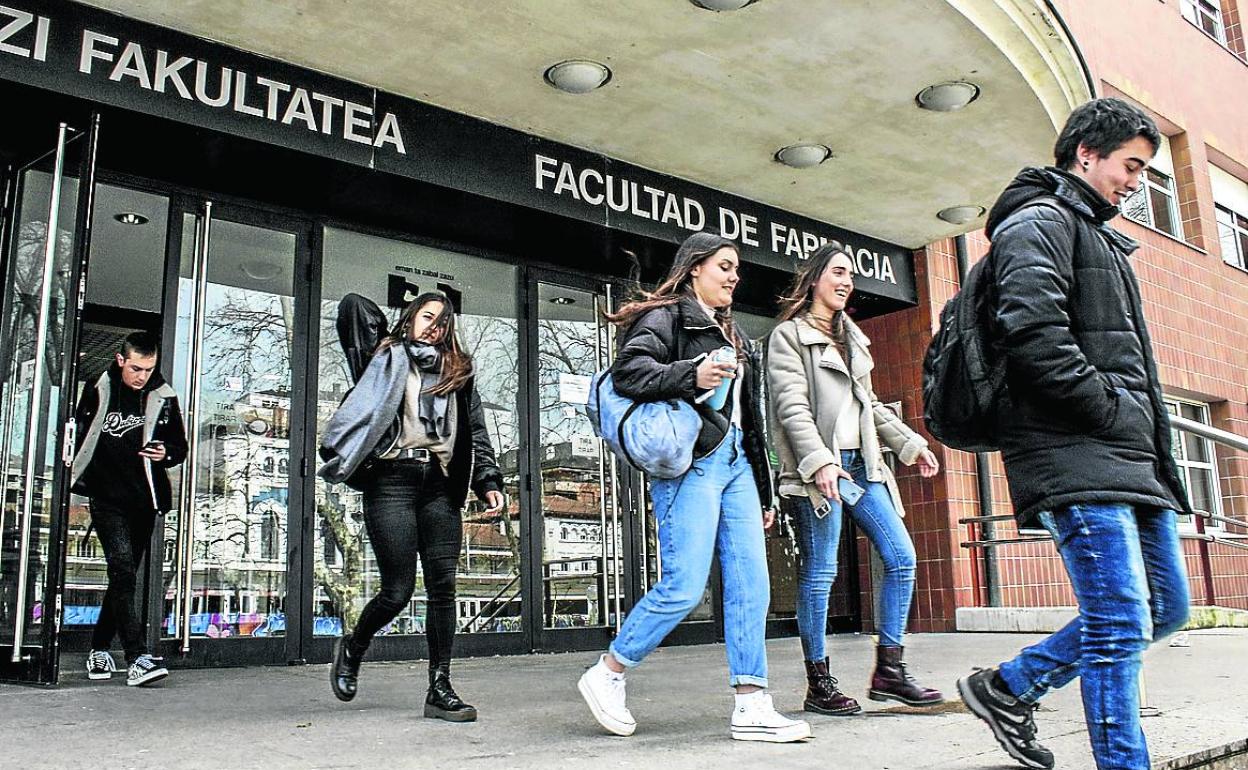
(1126, 567)
(713, 508)
(818, 542)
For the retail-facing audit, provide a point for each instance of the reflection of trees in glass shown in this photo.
(566, 347)
(339, 523)
(492, 343)
(341, 582)
(241, 502)
(1136, 205)
(248, 335)
(24, 291)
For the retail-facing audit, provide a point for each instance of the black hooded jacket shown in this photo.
(658, 360)
(1083, 420)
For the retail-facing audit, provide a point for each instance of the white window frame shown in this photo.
(1196, 11)
(1188, 524)
(1167, 189)
(1237, 225)
(1230, 198)
(1162, 165)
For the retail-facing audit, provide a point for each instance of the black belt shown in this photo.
(419, 455)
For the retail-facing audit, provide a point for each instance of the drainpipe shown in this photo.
(983, 475)
(1083, 63)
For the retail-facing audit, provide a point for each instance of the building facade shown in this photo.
(225, 175)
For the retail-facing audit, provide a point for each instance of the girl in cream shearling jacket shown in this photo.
(828, 427)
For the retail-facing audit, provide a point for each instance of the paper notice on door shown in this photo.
(574, 388)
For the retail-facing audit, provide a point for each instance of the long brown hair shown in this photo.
(678, 284)
(798, 300)
(456, 363)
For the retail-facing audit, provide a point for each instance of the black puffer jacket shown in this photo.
(658, 360)
(1084, 419)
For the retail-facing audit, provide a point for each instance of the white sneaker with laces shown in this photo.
(145, 670)
(603, 691)
(100, 665)
(754, 718)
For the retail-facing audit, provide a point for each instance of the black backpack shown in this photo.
(964, 368)
(963, 375)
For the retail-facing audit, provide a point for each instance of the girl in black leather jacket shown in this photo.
(411, 437)
(719, 506)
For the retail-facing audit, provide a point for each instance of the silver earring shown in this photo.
(1085, 164)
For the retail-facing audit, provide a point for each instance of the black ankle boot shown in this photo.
(822, 694)
(442, 702)
(891, 682)
(344, 675)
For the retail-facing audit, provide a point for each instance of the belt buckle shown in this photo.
(421, 455)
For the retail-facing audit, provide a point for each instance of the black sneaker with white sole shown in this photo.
(100, 665)
(1012, 720)
(146, 670)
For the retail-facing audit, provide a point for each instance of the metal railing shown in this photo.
(1201, 536)
(1183, 425)
(494, 606)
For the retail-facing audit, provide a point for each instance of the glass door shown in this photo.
(46, 222)
(579, 504)
(343, 573)
(232, 546)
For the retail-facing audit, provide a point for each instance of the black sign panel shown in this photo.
(101, 56)
(93, 54)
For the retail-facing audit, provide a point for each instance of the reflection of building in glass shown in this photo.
(238, 558)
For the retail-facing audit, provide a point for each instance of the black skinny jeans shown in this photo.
(125, 532)
(407, 514)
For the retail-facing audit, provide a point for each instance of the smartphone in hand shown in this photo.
(851, 493)
(152, 446)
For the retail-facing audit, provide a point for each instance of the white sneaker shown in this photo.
(755, 719)
(145, 670)
(100, 665)
(603, 691)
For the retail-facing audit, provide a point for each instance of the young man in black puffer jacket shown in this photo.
(1085, 435)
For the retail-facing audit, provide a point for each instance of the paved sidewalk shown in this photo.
(532, 716)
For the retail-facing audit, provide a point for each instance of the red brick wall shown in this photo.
(1203, 354)
(1196, 307)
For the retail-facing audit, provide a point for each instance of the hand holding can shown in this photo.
(717, 396)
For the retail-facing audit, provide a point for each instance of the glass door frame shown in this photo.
(21, 660)
(290, 648)
(626, 483)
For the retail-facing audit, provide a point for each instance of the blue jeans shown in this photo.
(713, 508)
(818, 541)
(1126, 567)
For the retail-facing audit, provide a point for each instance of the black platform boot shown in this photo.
(442, 702)
(822, 694)
(344, 675)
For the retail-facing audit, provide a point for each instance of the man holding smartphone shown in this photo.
(130, 432)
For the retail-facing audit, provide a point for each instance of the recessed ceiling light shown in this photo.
(130, 218)
(260, 269)
(577, 76)
(803, 155)
(563, 300)
(947, 97)
(722, 5)
(961, 215)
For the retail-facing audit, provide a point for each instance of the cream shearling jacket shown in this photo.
(808, 383)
